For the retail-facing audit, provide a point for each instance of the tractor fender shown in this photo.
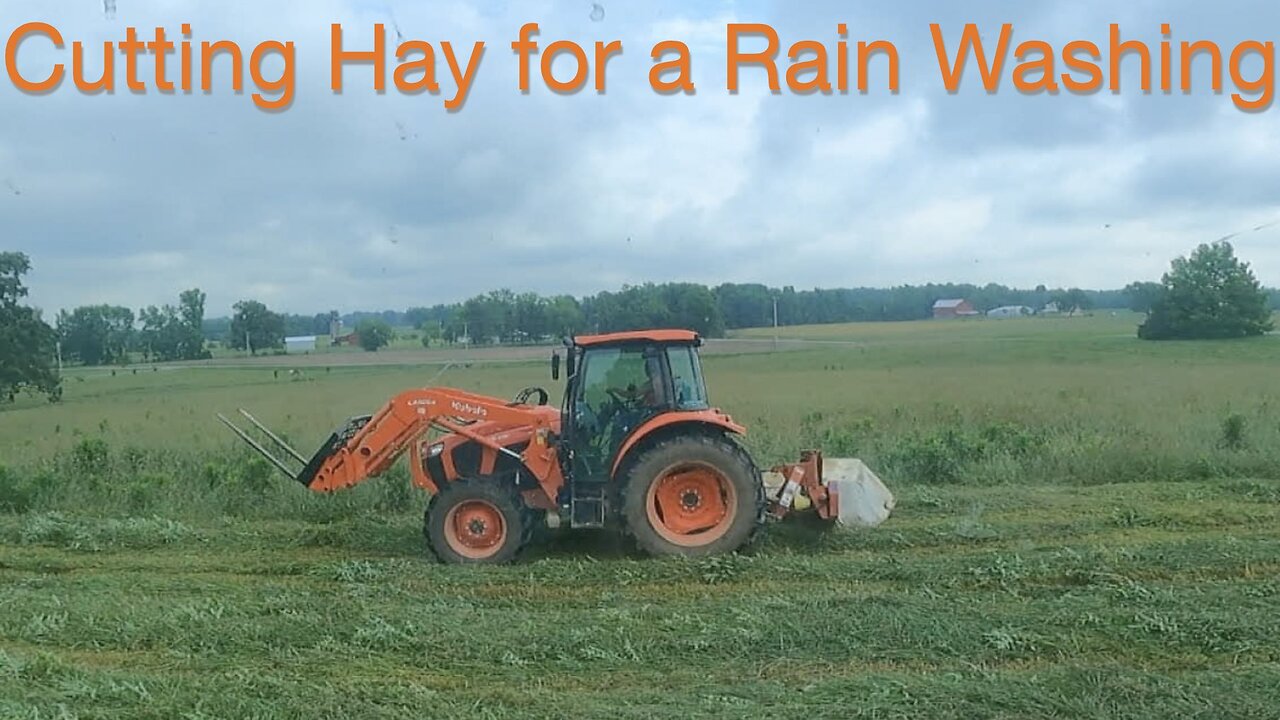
(714, 419)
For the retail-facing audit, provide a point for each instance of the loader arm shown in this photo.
(388, 433)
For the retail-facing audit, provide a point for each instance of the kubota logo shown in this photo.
(469, 409)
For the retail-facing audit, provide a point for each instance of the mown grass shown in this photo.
(1086, 527)
(1129, 600)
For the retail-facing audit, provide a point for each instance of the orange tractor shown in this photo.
(635, 445)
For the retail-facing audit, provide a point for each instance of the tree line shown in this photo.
(110, 334)
(1209, 294)
(502, 316)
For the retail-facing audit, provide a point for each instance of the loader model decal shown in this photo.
(469, 409)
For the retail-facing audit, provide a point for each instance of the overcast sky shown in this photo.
(361, 201)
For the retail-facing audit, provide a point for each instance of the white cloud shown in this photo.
(366, 201)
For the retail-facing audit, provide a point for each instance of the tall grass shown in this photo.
(1077, 402)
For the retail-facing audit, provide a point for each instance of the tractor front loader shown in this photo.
(635, 445)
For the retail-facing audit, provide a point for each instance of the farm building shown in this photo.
(1009, 311)
(300, 344)
(953, 308)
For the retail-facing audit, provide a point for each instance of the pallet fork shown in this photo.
(310, 466)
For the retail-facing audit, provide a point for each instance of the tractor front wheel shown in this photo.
(692, 496)
(480, 520)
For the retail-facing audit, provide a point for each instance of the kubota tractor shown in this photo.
(635, 445)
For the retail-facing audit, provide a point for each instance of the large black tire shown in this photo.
(683, 465)
(478, 521)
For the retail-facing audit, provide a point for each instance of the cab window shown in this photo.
(686, 379)
(620, 388)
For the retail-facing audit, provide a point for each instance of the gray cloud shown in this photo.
(370, 201)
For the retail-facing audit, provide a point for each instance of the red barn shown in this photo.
(954, 308)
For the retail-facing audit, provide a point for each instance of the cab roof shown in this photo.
(655, 336)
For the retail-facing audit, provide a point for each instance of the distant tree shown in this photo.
(27, 343)
(563, 316)
(745, 306)
(374, 333)
(255, 324)
(432, 332)
(96, 334)
(1211, 294)
(174, 333)
(191, 313)
(488, 318)
(216, 328)
(417, 317)
(322, 323)
(693, 307)
(1073, 300)
(1141, 296)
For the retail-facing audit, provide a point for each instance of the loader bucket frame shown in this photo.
(310, 466)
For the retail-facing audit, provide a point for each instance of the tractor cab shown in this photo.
(619, 387)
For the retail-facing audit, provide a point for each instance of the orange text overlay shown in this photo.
(38, 59)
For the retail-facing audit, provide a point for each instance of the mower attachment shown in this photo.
(841, 490)
(311, 466)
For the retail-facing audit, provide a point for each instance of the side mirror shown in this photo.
(555, 366)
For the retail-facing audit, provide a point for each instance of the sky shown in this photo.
(363, 201)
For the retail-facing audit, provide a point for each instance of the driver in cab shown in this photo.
(635, 400)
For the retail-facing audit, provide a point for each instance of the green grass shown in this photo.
(1086, 527)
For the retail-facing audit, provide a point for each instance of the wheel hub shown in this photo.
(475, 529)
(690, 499)
(691, 505)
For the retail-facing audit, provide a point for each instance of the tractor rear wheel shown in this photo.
(478, 520)
(693, 496)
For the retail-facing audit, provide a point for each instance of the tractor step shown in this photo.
(587, 506)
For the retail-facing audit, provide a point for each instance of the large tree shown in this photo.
(374, 333)
(175, 333)
(191, 312)
(96, 334)
(1142, 296)
(255, 324)
(1210, 294)
(27, 343)
(1071, 301)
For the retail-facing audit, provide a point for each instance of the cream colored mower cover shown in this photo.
(863, 499)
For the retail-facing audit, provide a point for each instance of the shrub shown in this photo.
(1233, 432)
(15, 495)
(940, 458)
(90, 457)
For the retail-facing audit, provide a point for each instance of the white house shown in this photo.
(300, 344)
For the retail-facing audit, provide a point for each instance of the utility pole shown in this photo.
(247, 347)
(775, 323)
(58, 345)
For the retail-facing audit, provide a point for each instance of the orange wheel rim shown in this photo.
(691, 504)
(475, 529)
